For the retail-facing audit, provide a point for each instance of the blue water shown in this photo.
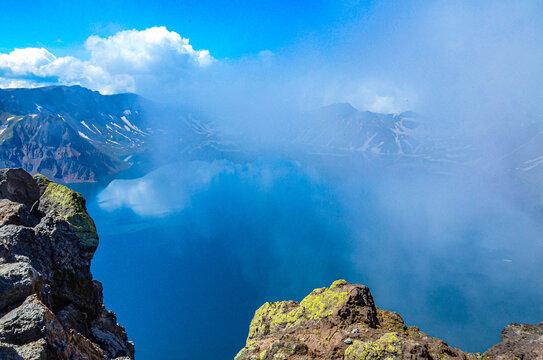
(190, 251)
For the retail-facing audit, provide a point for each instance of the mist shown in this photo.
(452, 245)
(469, 68)
(460, 264)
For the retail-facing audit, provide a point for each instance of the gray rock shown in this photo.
(15, 213)
(36, 350)
(74, 318)
(17, 185)
(17, 282)
(50, 306)
(29, 322)
(110, 335)
(518, 341)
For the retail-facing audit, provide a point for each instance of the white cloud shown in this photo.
(8, 83)
(25, 61)
(384, 104)
(143, 51)
(117, 63)
(376, 96)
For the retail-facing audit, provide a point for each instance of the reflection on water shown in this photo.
(188, 252)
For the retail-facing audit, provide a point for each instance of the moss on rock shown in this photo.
(339, 323)
(64, 202)
(319, 304)
(388, 346)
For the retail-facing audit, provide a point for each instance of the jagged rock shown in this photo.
(15, 214)
(50, 306)
(519, 342)
(33, 321)
(17, 281)
(342, 322)
(110, 336)
(16, 185)
(74, 318)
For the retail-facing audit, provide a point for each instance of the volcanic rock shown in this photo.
(50, 306)
(342, 322)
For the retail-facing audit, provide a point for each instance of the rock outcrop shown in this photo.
(519, 342)
(342, 322)
(50, 306)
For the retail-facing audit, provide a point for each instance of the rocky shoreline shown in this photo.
(50, 306)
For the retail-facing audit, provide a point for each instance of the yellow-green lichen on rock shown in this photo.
(339, 323)
(275, 351)
(388, 346)
(320, 303)
(62, 201)
(339, 282)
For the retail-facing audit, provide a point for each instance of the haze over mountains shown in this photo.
(73, 134)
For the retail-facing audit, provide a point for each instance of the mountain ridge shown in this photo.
(73, 134)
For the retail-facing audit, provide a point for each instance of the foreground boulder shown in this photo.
(342, 322)
(50, 306)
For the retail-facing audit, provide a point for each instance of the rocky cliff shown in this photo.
(342, 322)
(50, 306)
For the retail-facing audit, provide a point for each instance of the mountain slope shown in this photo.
(111, 123)
(70, 134)
(342, 128)
(73, 134)
(48, 145)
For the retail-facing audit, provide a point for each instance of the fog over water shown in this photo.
(219, 239)
(453, 246)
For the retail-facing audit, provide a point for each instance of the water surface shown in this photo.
(190, 251)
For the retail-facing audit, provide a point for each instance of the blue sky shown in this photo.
(459, 59)
(227, 28)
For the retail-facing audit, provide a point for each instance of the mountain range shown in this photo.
(72, 134)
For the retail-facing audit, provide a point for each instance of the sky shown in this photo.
(230, 28)
(453, 61)
(469, 65)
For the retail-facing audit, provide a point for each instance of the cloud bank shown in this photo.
(116, 64)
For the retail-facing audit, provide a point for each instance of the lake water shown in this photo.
(190, 251)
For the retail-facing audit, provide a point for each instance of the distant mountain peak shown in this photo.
(69, 133)
(341, 129)
(341, 109)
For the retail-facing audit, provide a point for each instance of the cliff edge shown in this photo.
(50, 306)
(342, 322)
